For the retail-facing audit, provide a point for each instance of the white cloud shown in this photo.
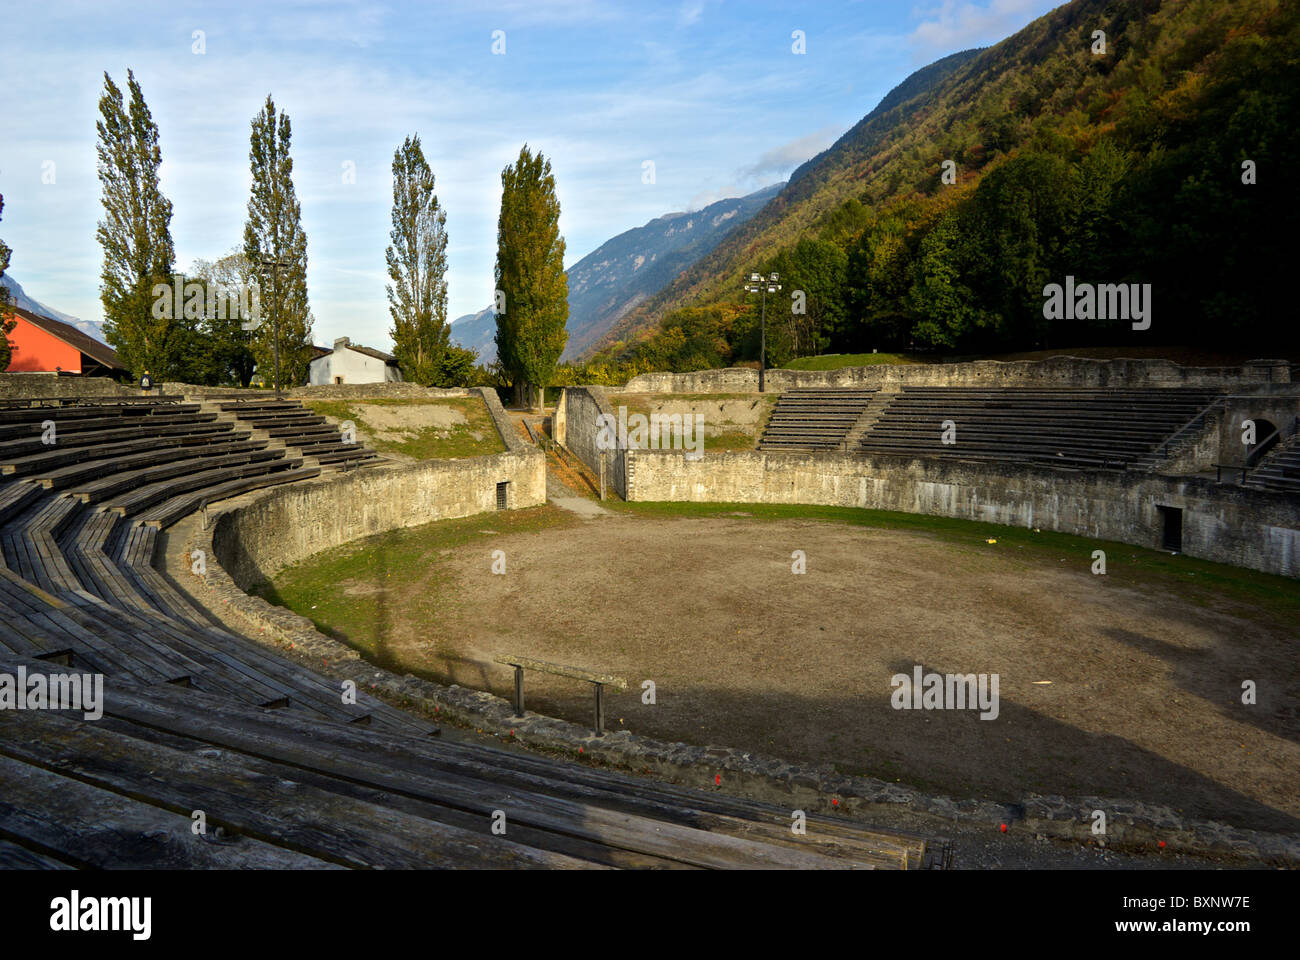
(957, 26)
(780, 161)
(690, 12)
(706, 197)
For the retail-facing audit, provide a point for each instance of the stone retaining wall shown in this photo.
(574, 426)
(1054, 372)
(367, 391)
(295, 521)
(19, 385)
(1228, 524)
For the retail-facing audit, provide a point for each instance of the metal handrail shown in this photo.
(1195, 423)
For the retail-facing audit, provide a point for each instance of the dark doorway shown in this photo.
(503, 494)
(1171, 532)
(1266, 438)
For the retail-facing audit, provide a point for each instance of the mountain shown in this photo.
(622, 272)
(1130, 160)
(92, 328)
(477, 331)
(815, 188)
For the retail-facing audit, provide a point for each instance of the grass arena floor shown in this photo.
(1127, 685)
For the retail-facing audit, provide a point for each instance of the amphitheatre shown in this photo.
(312, 611)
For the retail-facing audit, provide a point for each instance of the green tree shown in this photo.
(1017, 230)
(135, 235)
(273, 234)
(819, 270)
(223, 349)
(530, 277)
(417, 265)
(878, 278)
(457, 367)
(6, 308)
(946, 310)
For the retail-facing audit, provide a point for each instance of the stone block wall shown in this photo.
(292, 522)
(1224, 523)
(575, 428)
(19, 385)
(1053, 372)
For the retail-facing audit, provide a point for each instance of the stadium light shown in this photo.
(757, 284)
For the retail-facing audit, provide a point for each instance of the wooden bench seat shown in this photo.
(62, 456)
(115, 483)
(62, 477)
(168, 512)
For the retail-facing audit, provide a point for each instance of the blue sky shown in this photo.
(711, 92)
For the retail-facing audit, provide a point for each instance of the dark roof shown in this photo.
(101, 353)
(318, 352)
(388, 358)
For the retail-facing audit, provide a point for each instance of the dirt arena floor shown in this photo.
(1105, 690)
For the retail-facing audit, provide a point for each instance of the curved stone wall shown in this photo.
(1225, 523)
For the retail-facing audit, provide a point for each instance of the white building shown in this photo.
(351, 363)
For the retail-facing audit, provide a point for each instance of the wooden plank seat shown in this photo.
(259, 676)
(276, 415)
(932, 433)
(117, 408)
(306, 435)
(155, 649)
(1075, 427)
(130, 548)
(814, 419)
(75, 400)
(168, 512)
(115, 652)
(29, 542)
(337, 760)
(343, 452)
(76, 473)
(252, 406)
(16, 496)
(115, 483)
(316, 426)
(128, 430)
(1045, 453)
(271, 807)
(70, 824)
(63, 455)
(143, 497)
(65, 426)
(26, 637)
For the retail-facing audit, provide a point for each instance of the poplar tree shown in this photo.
(6, 308)
(417, 265)
(273, 232)
(532, 289)
(135, 235)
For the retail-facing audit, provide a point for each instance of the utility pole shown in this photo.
(757, 284)
(275, 266)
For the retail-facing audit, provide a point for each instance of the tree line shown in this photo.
(235, 318)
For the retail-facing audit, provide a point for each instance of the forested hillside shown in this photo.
(1160, 158)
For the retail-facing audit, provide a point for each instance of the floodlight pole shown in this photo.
(759, 284)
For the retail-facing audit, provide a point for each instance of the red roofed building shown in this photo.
(40, 344)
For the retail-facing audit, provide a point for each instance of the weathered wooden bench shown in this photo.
(598, 680)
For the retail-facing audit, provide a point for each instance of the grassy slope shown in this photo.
(426, 443)
(834, 361)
